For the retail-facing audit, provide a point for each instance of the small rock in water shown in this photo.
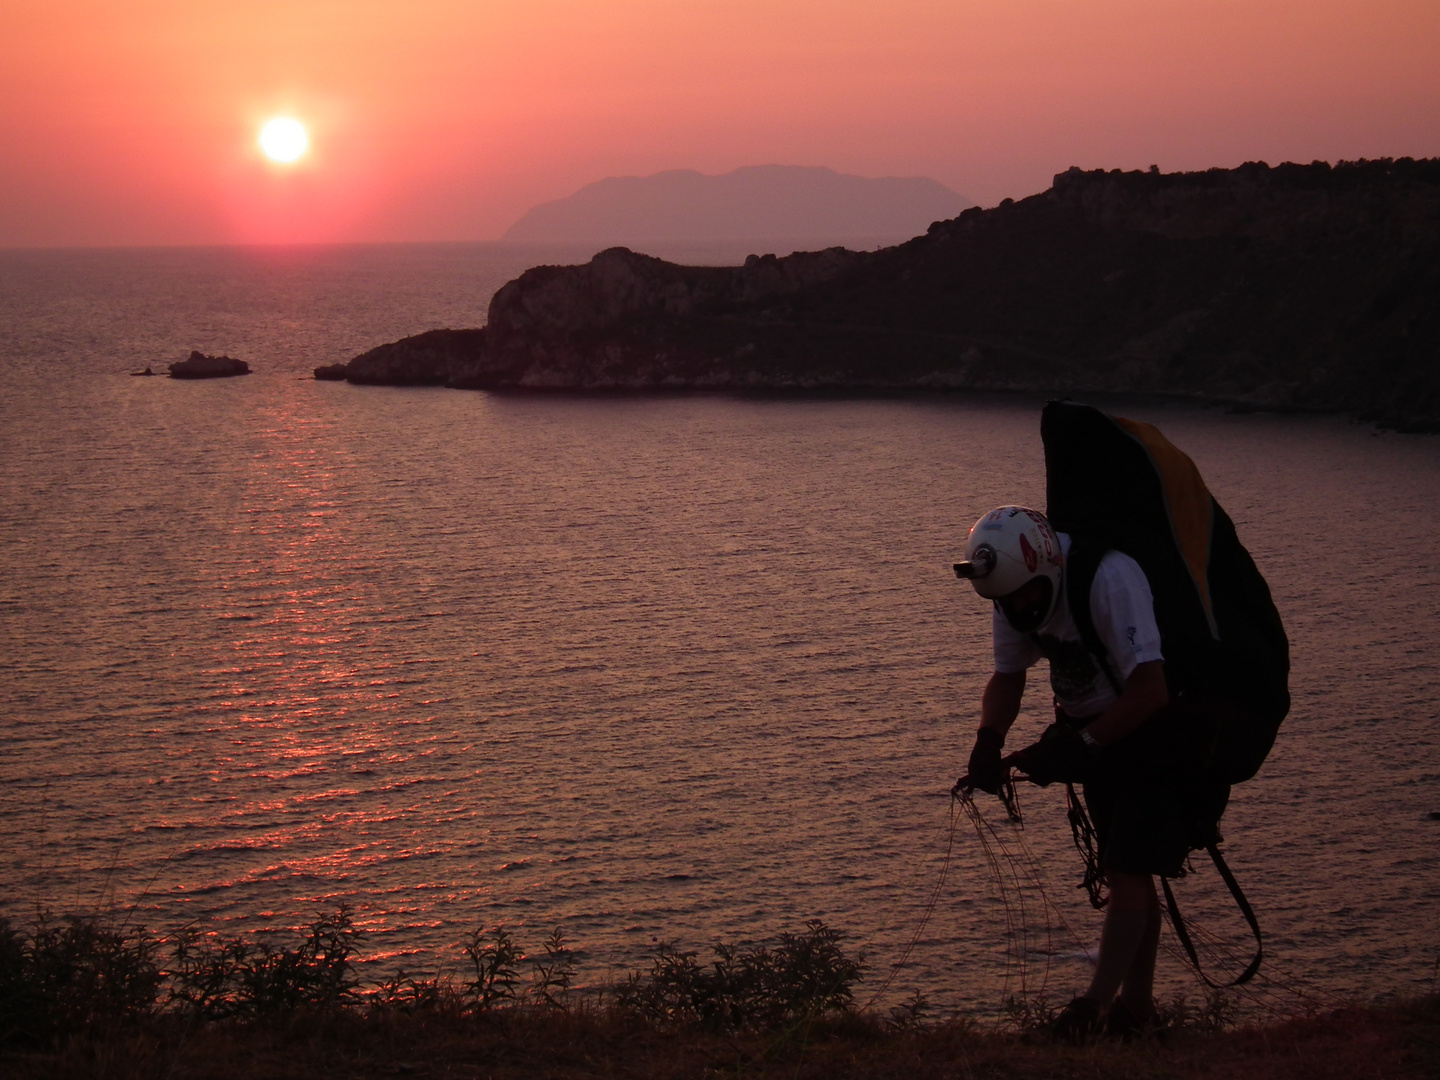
(1435, 815)
(331, 372)
(147, 371)
(200, 366)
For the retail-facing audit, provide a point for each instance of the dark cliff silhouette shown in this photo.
(769, 201)
(1294, 287)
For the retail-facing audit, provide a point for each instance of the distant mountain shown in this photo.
(759, 201)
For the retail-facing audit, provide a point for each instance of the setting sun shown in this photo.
(284, 140)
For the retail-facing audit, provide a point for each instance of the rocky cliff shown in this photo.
(434, 358)
(1295, 287)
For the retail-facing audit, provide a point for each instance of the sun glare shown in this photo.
(284, 140)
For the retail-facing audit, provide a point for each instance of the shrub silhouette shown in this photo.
(316, 975)
(76, 976)
(493, 954)
(554, 973)
(410, 995)
(800, 977)
(205, 972)
(83, 976)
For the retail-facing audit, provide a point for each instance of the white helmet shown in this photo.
(1007, 549)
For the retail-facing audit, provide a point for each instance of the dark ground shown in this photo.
(1395, 1042)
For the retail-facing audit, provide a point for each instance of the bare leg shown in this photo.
(1128, 944)
(1138, 989)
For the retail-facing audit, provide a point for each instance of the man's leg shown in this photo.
(1137, 992)
(1128, 944)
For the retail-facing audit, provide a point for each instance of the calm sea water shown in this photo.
(679, 669)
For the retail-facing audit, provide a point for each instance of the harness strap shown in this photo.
(1081, 564)
(1082, 831)
(1178, 921)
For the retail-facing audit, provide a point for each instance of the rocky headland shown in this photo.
(434, 358)
(1298, 287)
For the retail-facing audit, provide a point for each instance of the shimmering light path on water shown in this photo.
(686, 669)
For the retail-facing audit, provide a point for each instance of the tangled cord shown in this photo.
(1016, 872)
(962, 795)
(964, 792)
(929, 908)
(1082, 832)
(1016, 869)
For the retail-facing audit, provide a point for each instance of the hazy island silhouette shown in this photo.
(772, 202)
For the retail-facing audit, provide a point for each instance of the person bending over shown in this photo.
(1116, 731)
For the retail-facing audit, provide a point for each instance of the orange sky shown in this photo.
(134, 121)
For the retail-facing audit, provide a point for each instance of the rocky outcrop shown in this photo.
(434, 358)
(544, 325)
(631, 322)
(200, 366)
(1296, 287)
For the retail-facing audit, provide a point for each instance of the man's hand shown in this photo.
(986, 772)
(1061, 754)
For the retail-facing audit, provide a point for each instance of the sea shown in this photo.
(683, 669)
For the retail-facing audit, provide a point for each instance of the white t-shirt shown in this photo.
(1123, 610)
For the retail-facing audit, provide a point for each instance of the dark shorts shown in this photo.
(1151, 799)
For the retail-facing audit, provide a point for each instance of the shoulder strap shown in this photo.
(1178, 921)
(1081, 563)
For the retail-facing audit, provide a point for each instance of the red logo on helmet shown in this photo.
(1032, 558)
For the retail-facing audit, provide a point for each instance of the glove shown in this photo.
(1059, 755)
(986, 772)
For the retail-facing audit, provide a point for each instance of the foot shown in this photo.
(1126, 1024)
(1078, 1022)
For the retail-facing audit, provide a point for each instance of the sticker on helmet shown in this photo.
(993, 521)
(1032, 557)
(1046, 535)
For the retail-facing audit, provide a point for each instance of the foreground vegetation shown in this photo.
(81, 998)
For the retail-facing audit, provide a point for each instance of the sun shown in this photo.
(284, 140)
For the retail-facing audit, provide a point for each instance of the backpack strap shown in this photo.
(1081, 563)
(1178, 921)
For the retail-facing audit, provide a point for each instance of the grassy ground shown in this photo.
(1396, 1042)
(89, 997)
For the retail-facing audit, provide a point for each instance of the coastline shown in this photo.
(1292, 289)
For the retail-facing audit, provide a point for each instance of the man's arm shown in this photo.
(998, 709)
(1145, 694)
(1001, 703)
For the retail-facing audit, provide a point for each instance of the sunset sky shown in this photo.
(137, 122)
